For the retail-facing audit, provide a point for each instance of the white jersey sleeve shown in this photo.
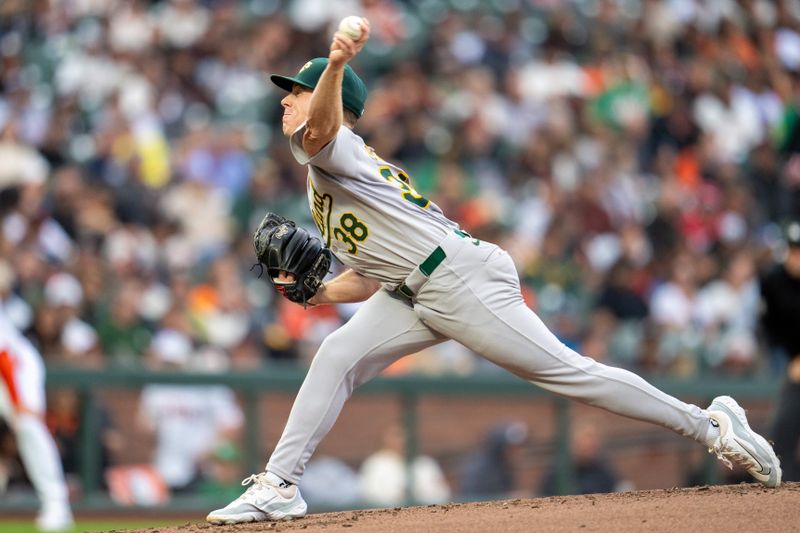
(366, 209)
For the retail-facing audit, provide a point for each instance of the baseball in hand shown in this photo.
(351, 26)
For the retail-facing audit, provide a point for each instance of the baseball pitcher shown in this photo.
(424, 281)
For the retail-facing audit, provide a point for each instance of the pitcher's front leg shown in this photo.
(383, 330)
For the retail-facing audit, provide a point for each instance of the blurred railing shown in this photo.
(408, 389)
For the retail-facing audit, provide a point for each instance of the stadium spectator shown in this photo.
(63, 419)
(673, 306)
(727, 310)
(384, 475)
(123, 334)
(619, 295)
(590, 473)
(17, 310)
(77, 342)
(208, 413)
(330, 482)
(491, 471)
(780, 292)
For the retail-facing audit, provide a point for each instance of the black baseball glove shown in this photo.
(282, 246)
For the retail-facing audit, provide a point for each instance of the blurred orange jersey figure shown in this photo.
(22, 405)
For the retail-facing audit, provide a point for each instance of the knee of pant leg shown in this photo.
(335, 355)
(343, 356)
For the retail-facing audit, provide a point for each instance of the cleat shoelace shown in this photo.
(725, 454)
(258, 481)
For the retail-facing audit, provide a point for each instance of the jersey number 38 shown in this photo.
(350, 231)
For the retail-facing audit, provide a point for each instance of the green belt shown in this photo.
(429, 265)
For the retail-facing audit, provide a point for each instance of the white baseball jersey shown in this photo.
(368, 213)
(21, 371)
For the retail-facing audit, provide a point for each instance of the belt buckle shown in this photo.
(404, 291)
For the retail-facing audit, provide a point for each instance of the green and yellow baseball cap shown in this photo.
(354, 92)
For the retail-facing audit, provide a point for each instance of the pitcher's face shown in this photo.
(295, 109)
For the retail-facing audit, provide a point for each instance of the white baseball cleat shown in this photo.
(740, 444)
(262, 501)
(55, 518)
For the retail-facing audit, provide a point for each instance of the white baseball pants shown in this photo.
(473, 297)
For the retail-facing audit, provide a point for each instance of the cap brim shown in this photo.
(286, 83)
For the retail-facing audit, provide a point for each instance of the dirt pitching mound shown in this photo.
(724, 509)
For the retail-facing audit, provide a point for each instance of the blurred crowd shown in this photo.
(636, 157)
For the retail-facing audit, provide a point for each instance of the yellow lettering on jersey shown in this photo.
(321, 208)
